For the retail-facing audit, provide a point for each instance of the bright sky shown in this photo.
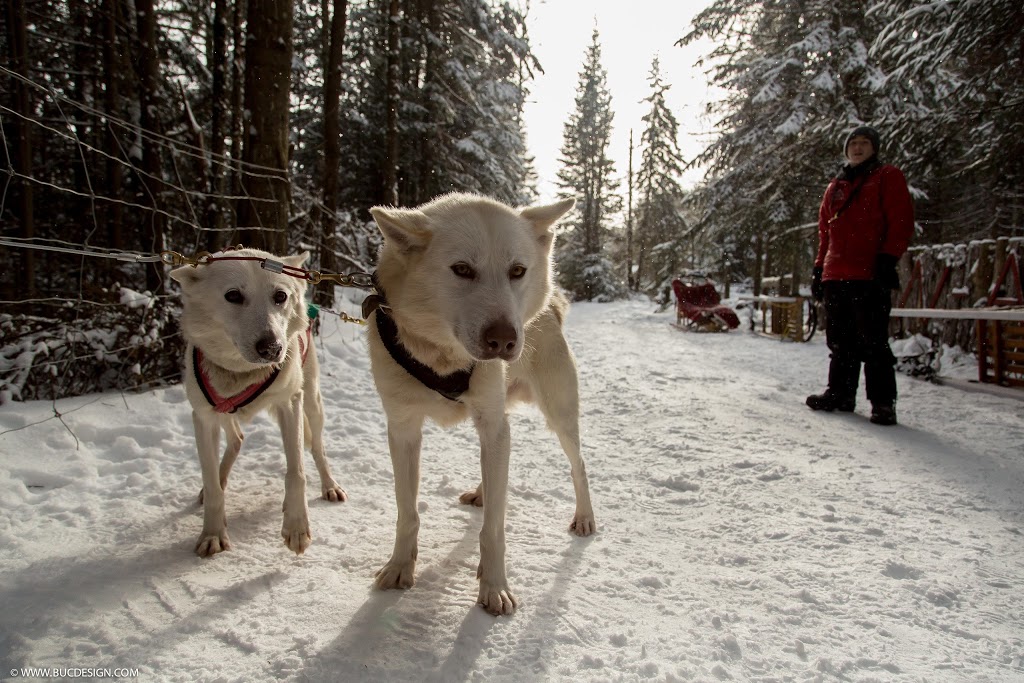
(631, 33)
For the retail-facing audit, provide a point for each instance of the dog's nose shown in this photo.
(269, 348)
(499, 340)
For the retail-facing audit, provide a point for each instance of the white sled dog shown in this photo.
(250, 349)
(466, 322)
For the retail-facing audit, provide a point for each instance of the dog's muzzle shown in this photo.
(269, 348)
(499, 340)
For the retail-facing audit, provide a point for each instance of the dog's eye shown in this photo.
(233, 296)
(517, 271)
(280, 296)
(464, 270)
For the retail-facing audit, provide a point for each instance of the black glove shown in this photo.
(817, 288)
(885, 271)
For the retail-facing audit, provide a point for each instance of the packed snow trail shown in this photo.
(741, 536)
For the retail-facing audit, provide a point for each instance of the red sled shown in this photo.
(699, 307)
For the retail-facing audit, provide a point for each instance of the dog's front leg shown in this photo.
(404, 440)
(214, 538)
(233, 434)
(495, 445)
(295, 528)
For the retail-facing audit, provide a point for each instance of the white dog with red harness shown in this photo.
(249, 349)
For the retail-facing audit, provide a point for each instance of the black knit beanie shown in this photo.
(868, 132)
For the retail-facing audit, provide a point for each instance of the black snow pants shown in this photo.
(857, 331)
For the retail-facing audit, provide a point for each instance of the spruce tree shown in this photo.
(660, 227)
(587, 175)
(954, 80)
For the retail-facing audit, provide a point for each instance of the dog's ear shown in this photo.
(544, 216)
(405, 228)
(298, 260)
(185, 275)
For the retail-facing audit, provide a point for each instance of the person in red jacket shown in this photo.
(865, 223)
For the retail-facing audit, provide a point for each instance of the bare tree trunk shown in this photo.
(112, 78)
(629, 218)
(213, 218)
(17, 43)
(428, 185)
(641, 251)
(758, 263)
(263, 214)
(237, 80)
(390, 170)
(81, 73)
(149, 69)
(332, 144)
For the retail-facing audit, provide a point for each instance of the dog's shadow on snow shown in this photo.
(396, 631)
(71, 594)
(549, 614)
(411, 634)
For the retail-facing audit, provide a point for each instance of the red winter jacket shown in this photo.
(879, 220)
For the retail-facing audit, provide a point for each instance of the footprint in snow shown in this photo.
(900, 571)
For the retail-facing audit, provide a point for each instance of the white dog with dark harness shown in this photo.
(466, 322)
(250, 349)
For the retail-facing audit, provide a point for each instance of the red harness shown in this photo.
(251, 392)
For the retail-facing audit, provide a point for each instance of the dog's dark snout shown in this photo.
(268, 348)
(500, 340)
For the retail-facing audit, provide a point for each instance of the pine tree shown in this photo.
(587, 175)
(660, 228)
(958, 111)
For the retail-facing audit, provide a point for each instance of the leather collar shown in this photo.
(450, 386)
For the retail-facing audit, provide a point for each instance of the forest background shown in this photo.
(144, 125)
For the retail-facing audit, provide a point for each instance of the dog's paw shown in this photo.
(583, 524)
(211, 543)
(497, 599)
(396, 575)
(473, 497)
(296, 537)
(334, 493)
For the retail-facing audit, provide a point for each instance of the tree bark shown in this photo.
(629, 219)
(112, 77)
(149, 69)
(237, 79)
(17, 43)
(427, 185)
(332, 144)
(389, 191)
(214, 216)
(263, 214)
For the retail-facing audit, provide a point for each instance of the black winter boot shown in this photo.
(883, 414)
(829, 402)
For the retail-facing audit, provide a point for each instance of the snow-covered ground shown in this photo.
(742, 537)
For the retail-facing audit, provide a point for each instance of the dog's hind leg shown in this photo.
(404, 440)
(474, 497)
(556, 391)
(313, 425)
(233, 435)
(295, 527)
(214, 538)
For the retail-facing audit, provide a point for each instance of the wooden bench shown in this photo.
(1000, 334)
